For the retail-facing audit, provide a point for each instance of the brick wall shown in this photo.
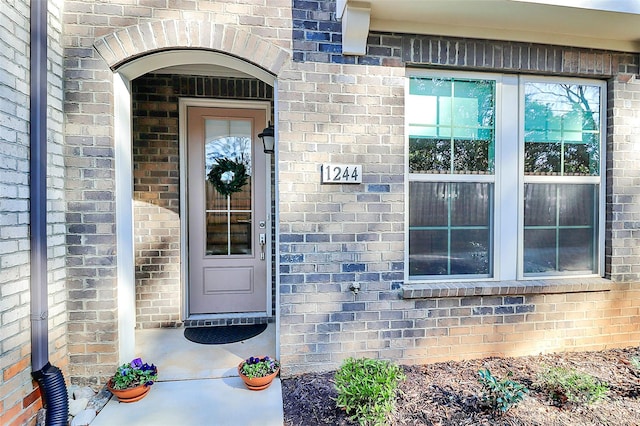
(333, 108)
(19, 394)
(89, 161)
(15, 363)
(623, 179)
(332, 236)
(347, 109)
(156, 184)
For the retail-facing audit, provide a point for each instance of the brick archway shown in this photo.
(135, 51)
(135, 41)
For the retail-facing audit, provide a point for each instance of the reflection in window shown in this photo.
(451, 126)
(562, 134)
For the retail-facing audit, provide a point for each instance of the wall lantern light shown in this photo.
(268, 139)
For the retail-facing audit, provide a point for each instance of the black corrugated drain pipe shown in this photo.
(49, 378)
(54, 391)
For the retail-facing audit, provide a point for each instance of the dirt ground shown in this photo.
(449, 393)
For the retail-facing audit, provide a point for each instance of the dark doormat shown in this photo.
(223, 334)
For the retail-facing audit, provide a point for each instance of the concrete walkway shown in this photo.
(198, 385)
(220, 402)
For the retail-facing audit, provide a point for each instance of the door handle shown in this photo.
(263, 242)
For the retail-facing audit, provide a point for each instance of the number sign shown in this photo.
(341, 173)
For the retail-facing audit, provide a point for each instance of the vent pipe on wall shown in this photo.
(49, 378)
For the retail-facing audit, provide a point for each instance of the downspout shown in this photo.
(49, 378)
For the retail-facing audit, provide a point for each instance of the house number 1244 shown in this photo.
(341, 173)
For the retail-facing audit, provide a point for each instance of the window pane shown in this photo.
(470, 252)
(450, 228)
(539, 250)
(428, 204)
(428, 253)
(579, 158)
(472, 156)
(473, 104)
(560, 228)
(562, 129)
(577, 204)
(217, 234)
(451, 125)
(576, 250)
(429, 155)
(470, 203)
(240, 233)
(542, 158)
(540, 205)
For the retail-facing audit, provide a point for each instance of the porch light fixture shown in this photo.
(268, 139)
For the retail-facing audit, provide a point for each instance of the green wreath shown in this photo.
(228, 176)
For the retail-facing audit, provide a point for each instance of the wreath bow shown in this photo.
(228, 176)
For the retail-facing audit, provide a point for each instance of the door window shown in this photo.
(228, 187)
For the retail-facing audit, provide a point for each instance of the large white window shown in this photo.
(504, 176)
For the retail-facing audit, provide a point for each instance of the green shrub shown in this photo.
(568, 385)
(367, 389)
(635, 361)
(500, 395)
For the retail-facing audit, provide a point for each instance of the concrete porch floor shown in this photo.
(198, 384)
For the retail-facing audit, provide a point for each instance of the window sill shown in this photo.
(499, 288)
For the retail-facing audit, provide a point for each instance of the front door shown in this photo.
(228, 232)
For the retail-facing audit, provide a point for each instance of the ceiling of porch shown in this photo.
(203, 69)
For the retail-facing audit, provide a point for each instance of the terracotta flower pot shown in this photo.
(257, 383)
(131, 394)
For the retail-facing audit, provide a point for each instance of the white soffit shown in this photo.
(203, 70)
(623, 6)
(598, 24)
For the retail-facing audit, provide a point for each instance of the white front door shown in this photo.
(228, 232)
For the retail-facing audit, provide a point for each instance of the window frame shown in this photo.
(509, 162)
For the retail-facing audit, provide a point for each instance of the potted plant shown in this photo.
(257, 373)
(132, 381)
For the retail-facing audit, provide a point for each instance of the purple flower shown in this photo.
(147, 367)
(136, 364)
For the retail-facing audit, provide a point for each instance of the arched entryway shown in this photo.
(218, 48)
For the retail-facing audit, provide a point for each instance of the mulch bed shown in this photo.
(448, 393)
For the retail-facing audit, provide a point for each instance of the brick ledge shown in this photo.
(499, 288)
